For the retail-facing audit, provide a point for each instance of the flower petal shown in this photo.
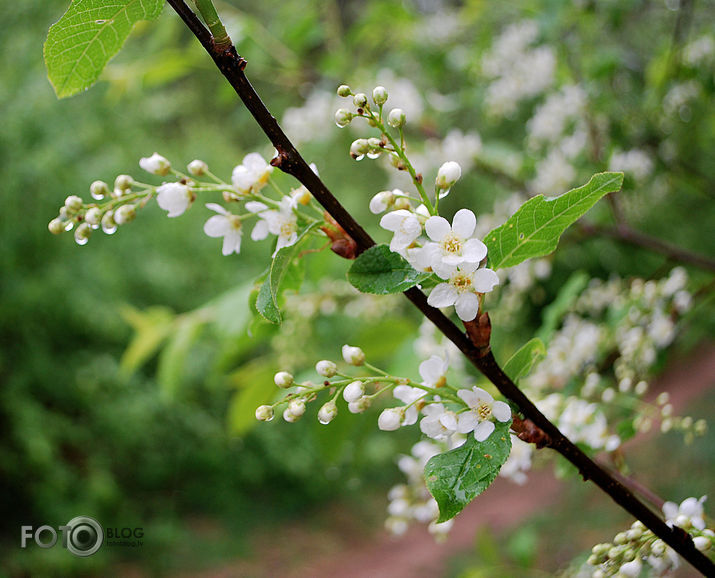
(232, 242)
(483, 431)
(464, 223)
(443, 295)
(260, 231)
(467, 305)
(467, 421)
(501, 411)
(217, 208)
(474, 251)
(437, 228)
(255, 207)
(217, 226)
(484, 280)
(392, 220)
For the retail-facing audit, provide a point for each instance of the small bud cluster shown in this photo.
(638, 548)
(120, 204)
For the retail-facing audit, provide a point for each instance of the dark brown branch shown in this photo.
(628, 235)
(290, 161)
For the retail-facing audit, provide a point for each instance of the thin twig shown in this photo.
(290, 161)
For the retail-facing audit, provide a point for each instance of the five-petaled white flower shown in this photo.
(251, 175)
(226, 225)
(688, 513)
(454, 244)
(482, 408)
(283, 222)
(405, 226)
(174, 197)
(461, 290)
(433, 371)
(438, 423)
(408, 395)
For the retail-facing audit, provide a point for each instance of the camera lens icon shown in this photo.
(84, 536)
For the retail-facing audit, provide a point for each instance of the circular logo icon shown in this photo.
(85, 536)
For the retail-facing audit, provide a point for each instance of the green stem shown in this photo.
(213, 21)
(400, 151)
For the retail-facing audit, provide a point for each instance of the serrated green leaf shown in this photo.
(456, 477)
(281, 276)
(88, 35)
(557, 309)
(381, 272)
(524, 359)
(534, 230)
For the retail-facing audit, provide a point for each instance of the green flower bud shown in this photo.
(99, 190)
(73, 204)
(396, 118)
(343, 117)
(93, 216)
(264, 413)
(82, 234)
(56, 226)
(197, 168)
(123, 183)
(283, 379)
(360, 100)
(344, 90)
(125, 214)
(379, 95)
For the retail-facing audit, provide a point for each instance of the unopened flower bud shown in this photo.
(641, 387)
(297, 407)
(123, 182)
(396, 118)
(353, 391)
(125, 214)
(620, 538)
(82, 234)
(448, 174)
(360, 100)
(99, 190)
(343, 117)
(109, 225)
(344, 90)
(390, 419)
(283, 379)
(379, 95)
(402, 203)
(264, 413)
(56, 226)
(327, 413)
(658, 548)
(662, 398)
(353, 355)
(155, 164)
(289, 417)
(326, 368)
(93, 216)
(359, 405)
(73, 203)
(700, 427)
(197, 168)
(381, 202)
(702, 543)
(359, 148)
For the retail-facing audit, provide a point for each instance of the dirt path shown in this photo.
(340, 552)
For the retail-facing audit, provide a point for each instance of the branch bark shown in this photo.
(290, 161)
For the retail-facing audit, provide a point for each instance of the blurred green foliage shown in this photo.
(130, 368)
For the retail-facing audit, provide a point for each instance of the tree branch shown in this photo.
(290, 161)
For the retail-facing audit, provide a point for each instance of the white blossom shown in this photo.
(282, 222)
(462, 288)
(226, 225)
(482, 407)
(251, 175)
(455, 244)
(353, 391)
(688, 513)
(405, 226)
(174, 198)
(390, 419)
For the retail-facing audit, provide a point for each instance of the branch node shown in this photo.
(479, 331)
(526, 430)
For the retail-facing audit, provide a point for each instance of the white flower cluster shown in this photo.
(450, 251)
(307, 123)
(638, 549)
(699, 52)
(579, 420)
(412, 501)
(561, 113)
(521, 71)
(635, 162)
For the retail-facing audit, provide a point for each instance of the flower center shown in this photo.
(452, 244)
(287, 229)
(462, 282)
(484, 411)
(235, 221)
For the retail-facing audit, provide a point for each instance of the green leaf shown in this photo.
(151, 326)
(456, 477)
(534, 230)
(564, 300)
(380, 271)
(254, 384)
(524, 359)
(87, 36)
(282, 275)
(171, 367)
